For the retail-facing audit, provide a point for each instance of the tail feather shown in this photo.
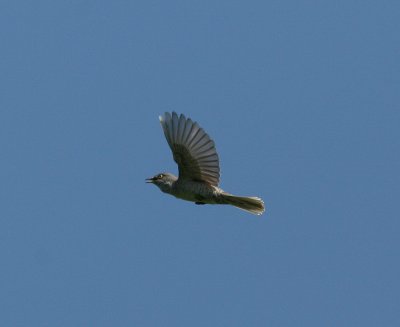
(250, 204)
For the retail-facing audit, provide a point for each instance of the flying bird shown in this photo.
(198, 165)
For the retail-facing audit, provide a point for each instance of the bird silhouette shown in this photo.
(198, 165)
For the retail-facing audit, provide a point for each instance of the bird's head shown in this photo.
(164, 181)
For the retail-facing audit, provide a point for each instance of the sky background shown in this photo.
(303, 101)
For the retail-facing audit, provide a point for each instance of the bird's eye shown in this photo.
(160, 176)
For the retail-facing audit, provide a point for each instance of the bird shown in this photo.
(198, 164)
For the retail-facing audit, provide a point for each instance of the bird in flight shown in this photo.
(198, 166)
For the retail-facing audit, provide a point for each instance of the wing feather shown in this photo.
(193, 134)
(209, 158)
(175, 123)
(204, 155)
(188, 130)
(164, 123)
(201, 138)
(181, 128)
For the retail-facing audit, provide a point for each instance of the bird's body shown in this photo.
(189, 190)
(198, 164)
(199, 192)
(195, 191)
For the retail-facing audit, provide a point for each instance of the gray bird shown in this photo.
(198, 165)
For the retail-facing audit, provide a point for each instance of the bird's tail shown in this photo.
(251, 204)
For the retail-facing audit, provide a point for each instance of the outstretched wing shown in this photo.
(193, 150)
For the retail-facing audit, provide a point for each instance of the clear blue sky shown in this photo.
(303, 101)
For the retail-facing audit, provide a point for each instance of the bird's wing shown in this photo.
(193, 150)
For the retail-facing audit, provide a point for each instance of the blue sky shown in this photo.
(302, 99)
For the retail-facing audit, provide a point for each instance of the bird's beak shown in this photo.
(150, 180)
